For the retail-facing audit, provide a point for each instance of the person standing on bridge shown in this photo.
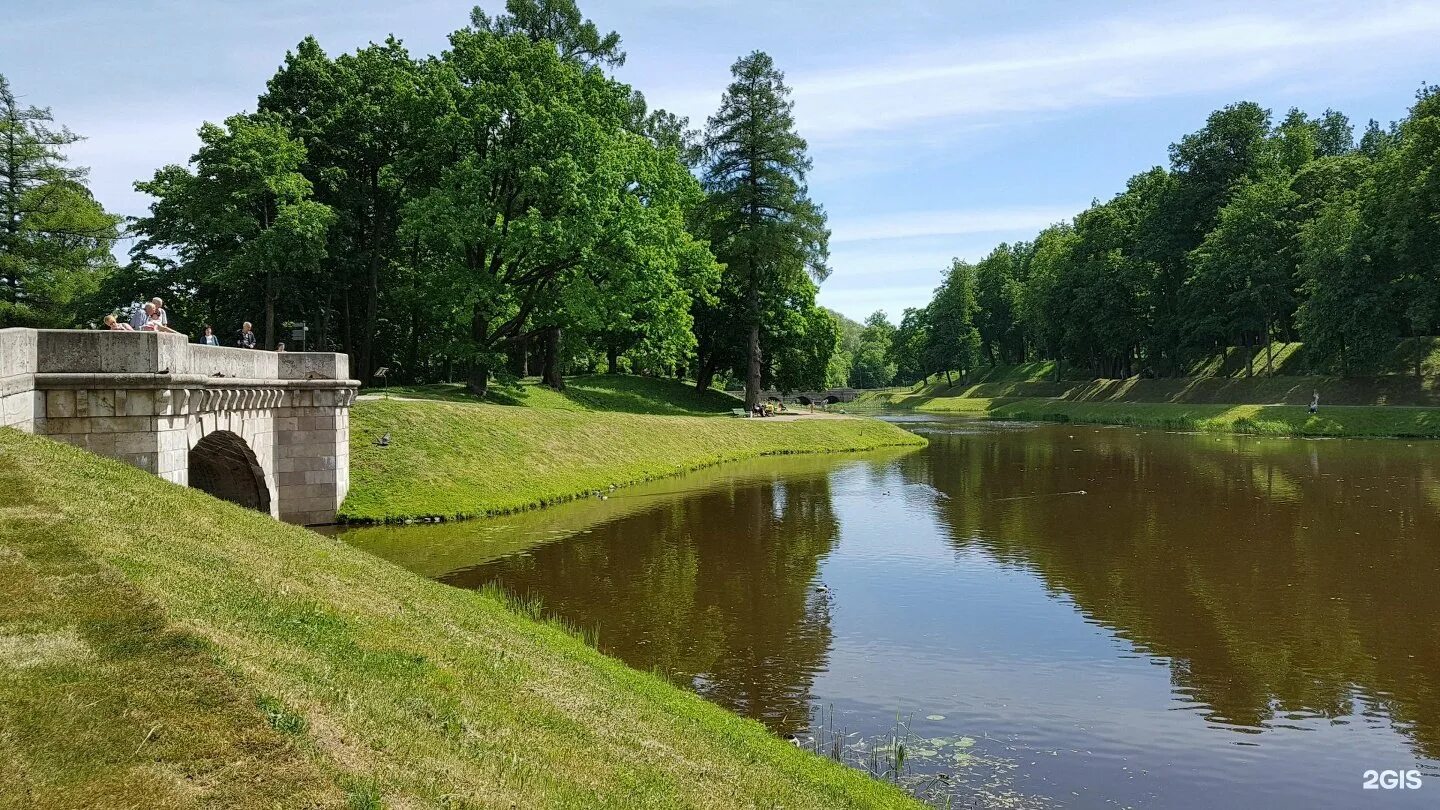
(209, 338)
(247, 337)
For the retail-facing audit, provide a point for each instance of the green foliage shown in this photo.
(558, 22)
(502, 200)
(1255, 236)
(242, 219)
(55, 239)
(953, 340)
(1243, 278)
(874, 365)
(908, 346)
(999, 282)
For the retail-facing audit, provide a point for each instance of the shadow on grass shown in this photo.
(617, 393)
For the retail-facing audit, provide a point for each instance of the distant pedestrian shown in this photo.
(209, 339)
(280, 348)
(160, 311)
(117, 326)
(1315, 402)
(247, 337)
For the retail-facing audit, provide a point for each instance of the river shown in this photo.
(1044, 615)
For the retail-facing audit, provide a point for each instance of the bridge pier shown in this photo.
(269, 431)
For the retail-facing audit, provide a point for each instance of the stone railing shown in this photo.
(149, 399)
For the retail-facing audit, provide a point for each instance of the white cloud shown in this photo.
(913, 224)
(1118, 60)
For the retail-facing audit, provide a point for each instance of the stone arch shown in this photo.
(804, 400)
(223, 465)
(831, 400)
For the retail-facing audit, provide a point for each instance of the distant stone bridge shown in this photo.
(826, 397)
(266, 430)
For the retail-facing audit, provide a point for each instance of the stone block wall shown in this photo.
(149, 399)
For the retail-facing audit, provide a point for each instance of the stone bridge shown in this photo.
(265, 430)
(827, 397)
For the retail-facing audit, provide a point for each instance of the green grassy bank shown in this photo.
(1272, 420)
(460, 459)
(163, 649)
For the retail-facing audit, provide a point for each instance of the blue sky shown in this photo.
(938, 129)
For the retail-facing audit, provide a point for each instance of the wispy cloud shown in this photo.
(913, 224)
(1093, 64)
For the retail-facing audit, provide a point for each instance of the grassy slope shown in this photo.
(1274, 420)
(160, 648)
(1218, 398)
(463, 459)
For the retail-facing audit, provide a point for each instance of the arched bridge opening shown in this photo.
(223, 465)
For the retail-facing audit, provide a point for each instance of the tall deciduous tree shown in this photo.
(349, 114)
(55, 239)
(1245, 267)
(242, 219)
(998, 278)
(908, 344)
(953, 338)
(873, 364)
(540, 201)
(762, 223)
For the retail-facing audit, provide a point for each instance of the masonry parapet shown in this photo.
(179, 409)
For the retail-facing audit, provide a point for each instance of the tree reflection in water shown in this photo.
(718, 590)
(1280, 585)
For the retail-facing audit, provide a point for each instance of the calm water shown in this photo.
(1058, 615)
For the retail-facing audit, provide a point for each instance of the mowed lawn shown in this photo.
(163, 649)
(453, 459)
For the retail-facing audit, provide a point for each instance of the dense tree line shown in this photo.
(503, 208)
(1257, 231)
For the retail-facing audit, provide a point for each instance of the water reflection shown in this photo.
(717, 590)
(1102, 616)
(1281, 580)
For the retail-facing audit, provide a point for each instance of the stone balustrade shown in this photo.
(267, 430)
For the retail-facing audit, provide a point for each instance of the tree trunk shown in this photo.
(705, 374)
(1249, 355)
(478, 381)
(412, 354)
(270, 311)
(1269, 352)
(349, 344)
(372, 310)
(550, 367)
(752, 374)
(948, 382)
(612, 360)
